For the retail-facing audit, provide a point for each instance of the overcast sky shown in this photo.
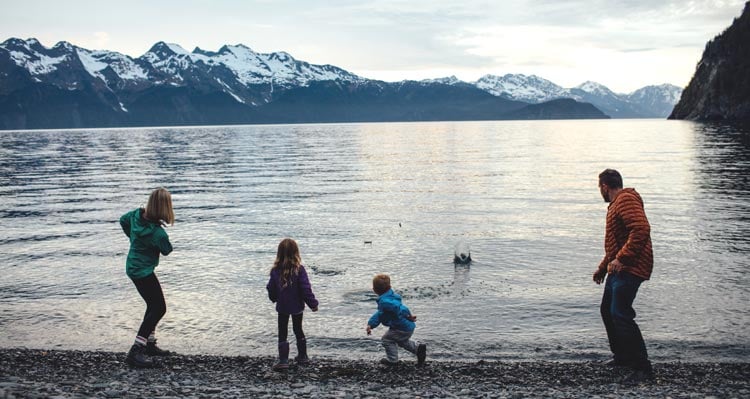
(623, 44)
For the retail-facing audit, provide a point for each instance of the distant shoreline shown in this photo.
(56, 373)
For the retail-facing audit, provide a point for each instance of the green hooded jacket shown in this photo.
(147, 240)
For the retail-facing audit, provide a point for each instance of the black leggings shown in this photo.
(150, 291)
(296, 326)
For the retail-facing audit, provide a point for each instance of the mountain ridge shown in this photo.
(170, 79)
(654, 101)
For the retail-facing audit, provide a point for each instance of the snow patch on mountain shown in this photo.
(450, 80)
(93, 66)
(665, 92)
(521, 87)
(229, 91)
(96, 61)
(177, 49)
(595, 88)
(25, 56)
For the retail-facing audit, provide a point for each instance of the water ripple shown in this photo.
(522, 194)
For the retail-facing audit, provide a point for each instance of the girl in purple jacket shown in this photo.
(290, 288)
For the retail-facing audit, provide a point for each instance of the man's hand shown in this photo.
(412, 317)
(368, 329)
(315, 309)
(615, 266)
(599, 275)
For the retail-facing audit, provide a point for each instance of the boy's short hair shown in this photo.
(381, 283)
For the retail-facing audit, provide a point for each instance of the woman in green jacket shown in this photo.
(148, 239)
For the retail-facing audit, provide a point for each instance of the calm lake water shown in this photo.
(523, 195)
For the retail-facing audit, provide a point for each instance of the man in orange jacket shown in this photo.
(628, 261)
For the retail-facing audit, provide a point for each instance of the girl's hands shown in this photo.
(412, 317)
(368, 329)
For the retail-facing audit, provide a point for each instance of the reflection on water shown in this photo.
(362, 199)
(724, 178)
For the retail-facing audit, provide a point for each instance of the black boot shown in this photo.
(641, 374)
(283, 363)
(153, 350)
(421, 354)
(137, 357)
(302, 358)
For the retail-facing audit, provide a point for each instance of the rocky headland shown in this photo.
(720, 87)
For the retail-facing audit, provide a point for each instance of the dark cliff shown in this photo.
(720, 87)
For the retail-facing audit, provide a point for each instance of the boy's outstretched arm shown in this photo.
(373, 322)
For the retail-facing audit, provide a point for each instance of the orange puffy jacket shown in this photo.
(628, 235)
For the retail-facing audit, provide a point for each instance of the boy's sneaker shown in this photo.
(421, 354)
(387, 363)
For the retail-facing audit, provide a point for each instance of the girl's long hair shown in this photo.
(288, 261)
(159, 207)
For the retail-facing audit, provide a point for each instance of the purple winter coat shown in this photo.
(292, 298)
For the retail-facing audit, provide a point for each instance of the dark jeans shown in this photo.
(150, 291)
(296, 327)
(625, 339)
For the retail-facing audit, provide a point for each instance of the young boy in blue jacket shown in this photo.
(392, 313)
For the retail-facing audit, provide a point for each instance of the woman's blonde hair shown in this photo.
(159, 207)
(288, 261)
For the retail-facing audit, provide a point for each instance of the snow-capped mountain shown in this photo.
(647, 102)
(59, 64)
(596, 89)
(232, 69)
(248, 67)
(612, 104)
(450, 80)
(661, 99)
(532, 88)
(69, 86)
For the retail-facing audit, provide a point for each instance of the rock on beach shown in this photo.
(27, 373)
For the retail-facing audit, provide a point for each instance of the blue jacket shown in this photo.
(392, 313)
(292, 298)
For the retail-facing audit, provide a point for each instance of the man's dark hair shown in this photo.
(611, 178)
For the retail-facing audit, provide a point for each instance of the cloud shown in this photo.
(401, 35)
(388, 37)
(101, 39)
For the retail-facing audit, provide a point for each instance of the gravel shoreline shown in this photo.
(26, 373)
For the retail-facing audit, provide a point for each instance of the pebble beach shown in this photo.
(27, 373)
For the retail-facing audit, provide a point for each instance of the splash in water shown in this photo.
(462, 254)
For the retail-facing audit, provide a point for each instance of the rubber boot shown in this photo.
(302, 358)
(283, 363)
(137, 357)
